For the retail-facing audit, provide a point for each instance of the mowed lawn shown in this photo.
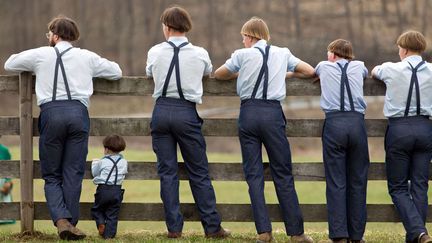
(226, 192)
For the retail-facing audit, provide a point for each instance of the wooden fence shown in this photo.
(27, 169)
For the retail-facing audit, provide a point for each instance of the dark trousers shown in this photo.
(106, 208)
(64, 130)
(176, 121)
(408, 145)
(346, 163)
(263, 122)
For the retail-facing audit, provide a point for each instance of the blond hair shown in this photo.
(412, 40)
(256, 28)
(341, 48)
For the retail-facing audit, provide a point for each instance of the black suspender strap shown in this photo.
(174, 62)
(345, 83)
(112, 169)
(414, 82)
(263, 72)
(59, 62)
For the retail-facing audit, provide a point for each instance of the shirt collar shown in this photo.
(113, 155)
(413, 59)
(261, 43)
(177, 40)
(63, 44)
(342, 61)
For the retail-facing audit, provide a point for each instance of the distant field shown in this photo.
(226, 192)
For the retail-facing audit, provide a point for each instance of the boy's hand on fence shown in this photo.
(289, 75)
(7, 187)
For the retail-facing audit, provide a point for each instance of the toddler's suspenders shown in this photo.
(174, 62)
(263, 72)
(345, 82)
(112, 169)
(414, 82)
(59, 62)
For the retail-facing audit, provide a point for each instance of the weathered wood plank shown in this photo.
(229, 212)
(9, 125)
(10, 210)
(142, 85)
(232, 171)
(226, 127)
(26, 149)
(10, 168)
(9, 84)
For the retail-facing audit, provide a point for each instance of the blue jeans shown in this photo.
(346, 163)
(263, 122)
(176, 121)
(64, 130)
(408, 146)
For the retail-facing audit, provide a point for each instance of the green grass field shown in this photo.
(226, 192)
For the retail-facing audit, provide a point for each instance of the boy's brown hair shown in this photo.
(114, 143)
(64, 27)
(177, 18)
(413, 41)
(341, 48)
(256, 28)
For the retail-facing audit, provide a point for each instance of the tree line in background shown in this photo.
(124, 30)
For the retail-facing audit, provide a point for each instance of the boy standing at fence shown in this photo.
(63, 89)
(261, 70)
(344, 138)
(176, 121)
(109, 173)
(408, 143)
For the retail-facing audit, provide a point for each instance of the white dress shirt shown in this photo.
(101, 169)
(248, 61)
(330, 75)
(194, 63)
(397, 77)
(80, 65)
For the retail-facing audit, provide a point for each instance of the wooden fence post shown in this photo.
(26, 141)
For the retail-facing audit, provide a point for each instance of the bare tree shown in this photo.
(400, 16)
(384, 8)
(362, 20)
(297, 20)
(348, 20)
(424, 16)
(131, 36)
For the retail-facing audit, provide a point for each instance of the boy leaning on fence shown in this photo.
(177, 68)
(408, 143)
(261, 69)
(109, 173)
(344, 138)
(64, 84)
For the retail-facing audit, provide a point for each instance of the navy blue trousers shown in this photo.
(346, 163)
(263, 122)
(64, 130)
(106, 208)
(408, 146)
(176, 121)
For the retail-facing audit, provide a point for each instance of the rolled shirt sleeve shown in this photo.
(233, 64)
(23, 61)
(292, 61)
(104, 68)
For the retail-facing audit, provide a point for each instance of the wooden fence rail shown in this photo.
(219, 171)
(26, 169)
(138, 86)
(229, 212)
(222, 127)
